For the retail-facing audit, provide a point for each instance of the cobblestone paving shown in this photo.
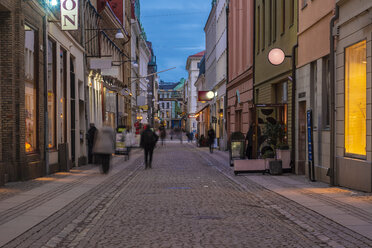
(189, 199)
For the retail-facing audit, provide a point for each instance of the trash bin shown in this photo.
(237, 147)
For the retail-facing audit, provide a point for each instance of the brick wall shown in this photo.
(16, 165)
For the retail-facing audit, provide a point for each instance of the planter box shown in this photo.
(285, 157)
(249, 165)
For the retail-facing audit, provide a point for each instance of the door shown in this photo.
(301, 163)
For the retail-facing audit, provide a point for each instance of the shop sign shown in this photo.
(205, 96)
(100, 63)
(69, 14)
(144, 107)
(113, 71)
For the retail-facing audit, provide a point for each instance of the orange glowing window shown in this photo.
(355, 99)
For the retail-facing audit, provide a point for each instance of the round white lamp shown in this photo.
(276, 56)
(210, 94)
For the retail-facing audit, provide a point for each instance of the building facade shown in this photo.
(275, 27)
(353, 98)
(191, 94)
(240, 66)
(312, 85)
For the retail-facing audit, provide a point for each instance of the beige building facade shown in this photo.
(353, 100)
(312, 85)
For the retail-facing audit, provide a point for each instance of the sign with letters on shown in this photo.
(69, 14)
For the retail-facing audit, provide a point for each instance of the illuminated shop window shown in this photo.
(30, 90)
(355, 99)
(51, 94)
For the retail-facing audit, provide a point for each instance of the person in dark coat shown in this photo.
(249, 138)
(148, 142)
(104, 145)
(90, 138)
(163, 134)
(211, 136)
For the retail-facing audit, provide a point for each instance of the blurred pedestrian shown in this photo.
(90, 138)
(104, 146)
(162, 133)
(148, 142)
(211, 136)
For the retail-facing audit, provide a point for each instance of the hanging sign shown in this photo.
(69, 14)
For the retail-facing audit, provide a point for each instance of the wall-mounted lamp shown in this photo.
(118, 63)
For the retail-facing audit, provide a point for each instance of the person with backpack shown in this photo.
(148, 142)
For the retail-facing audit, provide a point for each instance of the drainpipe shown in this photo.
(293, 107)
(332, 83)
(45, 74)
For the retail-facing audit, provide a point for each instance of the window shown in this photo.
(355, 98)
(325, 92)
(258, 29)
(304, 3)
(314, 91)
(274, 21)
(167, 114)
(167, 105)
(281, 92)
(263, 24)
(162, 105)
(283, 16)
(31, 91)
(292, 12)
(270, 21)
(62, 87)
(238, 121)
(51, 94)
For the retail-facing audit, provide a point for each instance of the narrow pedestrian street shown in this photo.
(190, 198)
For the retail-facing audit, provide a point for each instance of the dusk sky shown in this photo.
(176, 30)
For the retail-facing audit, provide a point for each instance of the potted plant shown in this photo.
(274, 133)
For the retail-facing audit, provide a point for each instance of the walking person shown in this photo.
(249, 138)
(148, 142)
(211, 136)
(163, 134)
(90, 138)
(104, 146)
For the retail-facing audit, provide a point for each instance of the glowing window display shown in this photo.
(30, 90)
(355, 99)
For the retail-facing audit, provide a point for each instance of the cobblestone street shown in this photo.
(190, 198)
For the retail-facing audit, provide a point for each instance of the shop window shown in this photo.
(51, 94)
(31, 90)
(355, 99)
(62, 87)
